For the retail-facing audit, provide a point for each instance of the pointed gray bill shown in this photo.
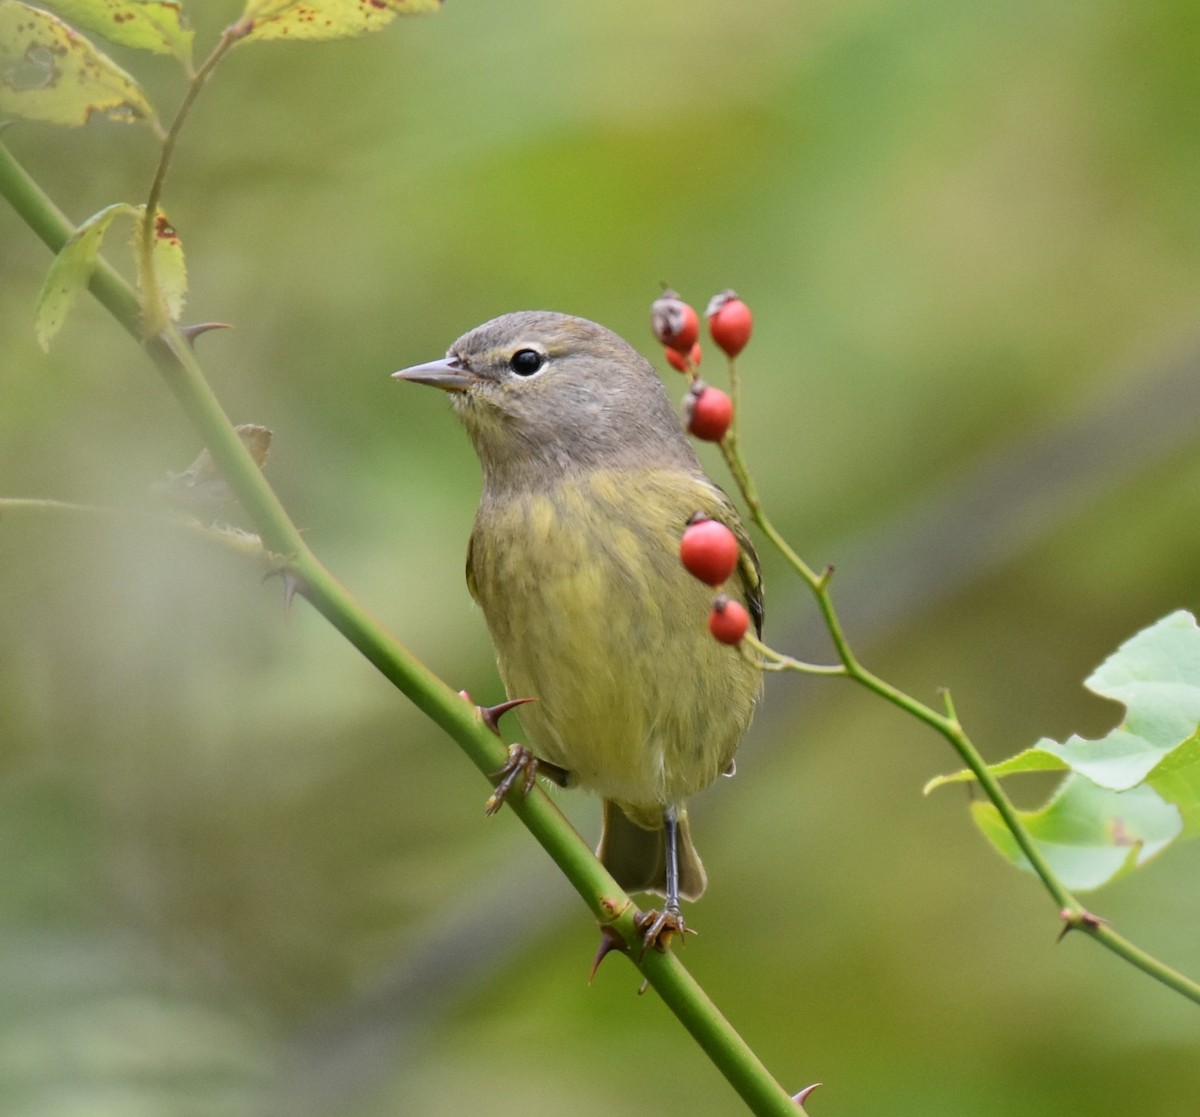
(447, 374)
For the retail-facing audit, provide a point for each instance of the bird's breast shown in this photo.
(593, 615)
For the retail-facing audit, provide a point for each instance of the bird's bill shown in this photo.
(446, 374)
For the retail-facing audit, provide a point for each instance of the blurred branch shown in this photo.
(243, 542)
(172, 355)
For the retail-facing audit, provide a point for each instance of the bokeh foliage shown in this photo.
(243, 876)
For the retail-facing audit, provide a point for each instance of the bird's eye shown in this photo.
(525, 362)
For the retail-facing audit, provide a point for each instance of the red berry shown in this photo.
(675, 324)
(709, 411)
(681, 363)
(728, 621)
(729, 322)
(709, 551)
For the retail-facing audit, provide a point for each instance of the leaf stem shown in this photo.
(154, 308)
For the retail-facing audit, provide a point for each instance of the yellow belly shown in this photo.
(593, 616)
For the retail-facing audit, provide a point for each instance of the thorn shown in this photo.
(730, 769)
(643, 987)
(292, 585)
(190, 333)
(1078, 921)
(610, 940)
(802, 1097)
(492, 714)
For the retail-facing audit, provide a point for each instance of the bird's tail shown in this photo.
(637, 856)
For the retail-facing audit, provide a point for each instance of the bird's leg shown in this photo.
(658, 927)
(671, 825)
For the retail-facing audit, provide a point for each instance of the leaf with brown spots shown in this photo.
(50, 72)
(170, 270)
(314, 20)
(155, 25)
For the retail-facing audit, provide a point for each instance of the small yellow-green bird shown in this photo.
(588, 484)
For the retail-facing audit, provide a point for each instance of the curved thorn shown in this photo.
(802, 1096)
(292, 584)
(492, 714)
(190, 333)
(610, 940)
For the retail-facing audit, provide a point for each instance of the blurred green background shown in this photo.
(239, 874)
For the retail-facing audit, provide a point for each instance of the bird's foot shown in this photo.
(521, 768)
(658, 928)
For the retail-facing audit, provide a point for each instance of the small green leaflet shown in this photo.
(314, 20)
(156, 25)
(71, 270)
(51, 73)
(1131, 793)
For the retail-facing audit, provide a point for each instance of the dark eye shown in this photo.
(525, 362)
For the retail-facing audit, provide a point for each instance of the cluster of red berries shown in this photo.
(709, 551)
(708, 411)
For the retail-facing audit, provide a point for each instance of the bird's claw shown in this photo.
(659, 927)
(520, 767)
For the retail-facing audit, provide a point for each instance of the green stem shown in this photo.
(1073, 913)
(1148, 964)
(461, 721)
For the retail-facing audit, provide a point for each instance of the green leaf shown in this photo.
(325, 19)
(1031, 760)
(156, 25)
(51, 73)
(1177, 779)
(1156, 676)
(1089, 834)
(71, 270)
(170, 270)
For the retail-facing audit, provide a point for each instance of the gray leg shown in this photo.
(672, 835)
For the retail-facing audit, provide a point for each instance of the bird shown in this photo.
(589, 482)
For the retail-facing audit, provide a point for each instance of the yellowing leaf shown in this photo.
(71, 270)
(157, 25)
(169, 267)
(325, 19)
(50, 72)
